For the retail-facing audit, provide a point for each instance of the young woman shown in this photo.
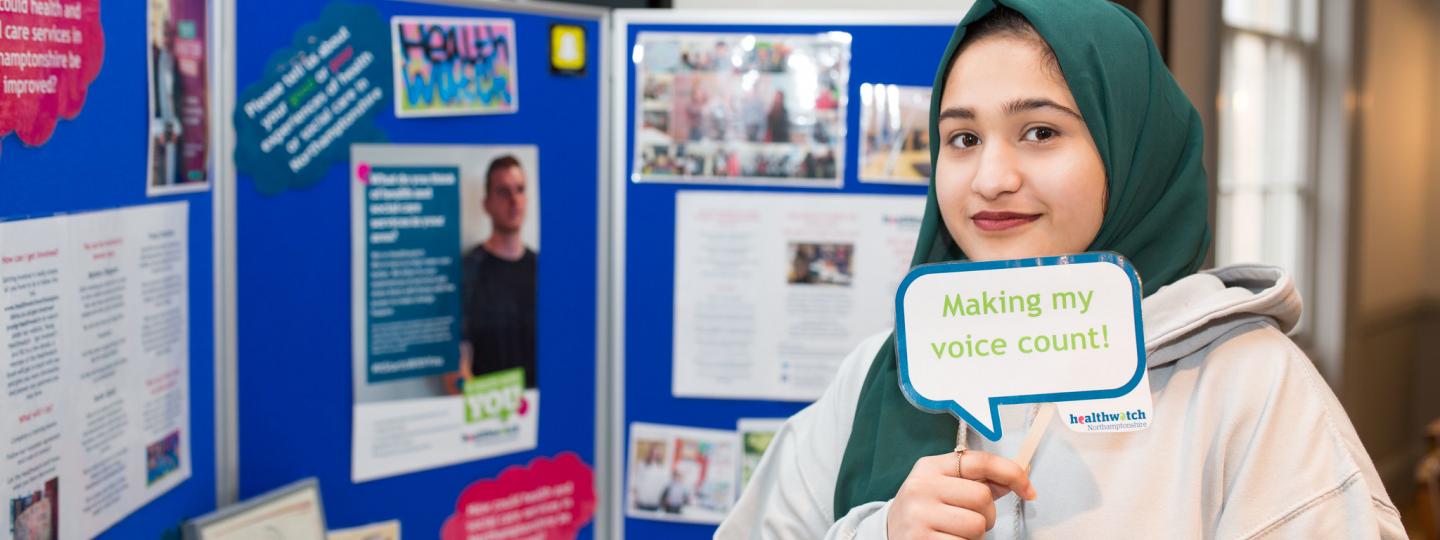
(1055, 128)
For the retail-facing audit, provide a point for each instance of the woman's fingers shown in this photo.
(943, 464)
(962, 522)
(1003, 474)
(992, 469)
(971, 495)
(950, 496)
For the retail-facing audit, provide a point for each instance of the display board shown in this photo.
(130, 383)
(364, 356)
(753, 240)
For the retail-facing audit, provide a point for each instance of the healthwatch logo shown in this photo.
(497, 396)
(1105, 417)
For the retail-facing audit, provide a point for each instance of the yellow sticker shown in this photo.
(567, 49)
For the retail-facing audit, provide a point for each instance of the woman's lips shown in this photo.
(1000, 221)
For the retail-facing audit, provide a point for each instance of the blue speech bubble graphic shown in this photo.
(315, 98)
(1038, 376)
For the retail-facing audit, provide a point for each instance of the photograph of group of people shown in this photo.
(681, 474)
(755, 437)
(894, 134)
(725, 161)
(36, 515)
(162, 457)
(741, 107)
(820, 264)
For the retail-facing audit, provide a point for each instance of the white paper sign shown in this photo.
(976, 335)
(94, 367)
(772, 290)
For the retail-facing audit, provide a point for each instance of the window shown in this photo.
(1268, 118)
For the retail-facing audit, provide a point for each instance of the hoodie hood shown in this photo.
(1192, 313)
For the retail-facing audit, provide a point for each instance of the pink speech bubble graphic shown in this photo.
(53, 51)
(549, 498)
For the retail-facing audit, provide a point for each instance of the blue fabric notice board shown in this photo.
(294, 253)
(97, 161)
(888, 52)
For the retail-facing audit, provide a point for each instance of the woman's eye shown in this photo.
(965, 140)
(1040, 134)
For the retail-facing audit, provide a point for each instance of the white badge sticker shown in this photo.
(1130, 412)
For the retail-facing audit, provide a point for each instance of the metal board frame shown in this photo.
(619, 112)
(227, 337)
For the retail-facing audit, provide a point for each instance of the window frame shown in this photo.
(1325, 170)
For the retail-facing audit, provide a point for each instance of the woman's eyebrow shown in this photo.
(1012, 108)
(1024, 105)
(962, 113)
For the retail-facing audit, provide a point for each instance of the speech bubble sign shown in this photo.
(972, 336)
(50, 52)
(315, 98)
(549, 498)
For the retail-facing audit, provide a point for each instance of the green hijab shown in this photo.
(1156, 214)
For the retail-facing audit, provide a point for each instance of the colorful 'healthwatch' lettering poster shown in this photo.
(449, 66)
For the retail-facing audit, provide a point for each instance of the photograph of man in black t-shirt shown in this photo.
(498, 301)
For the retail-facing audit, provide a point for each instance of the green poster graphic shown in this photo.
(497, 395)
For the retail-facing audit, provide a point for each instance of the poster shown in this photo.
(451, 66)
(179, 149)
(50, 52)
(94, 367)
(313, 100)
(755, 437)
(446, 242)
(773, 290)
(680, 473)
(740, 108)
(895, 134)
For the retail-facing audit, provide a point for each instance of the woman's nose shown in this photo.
(998, 174)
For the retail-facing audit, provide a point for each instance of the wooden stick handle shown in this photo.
(1037, 432)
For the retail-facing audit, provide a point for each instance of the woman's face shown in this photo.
(1018, 174)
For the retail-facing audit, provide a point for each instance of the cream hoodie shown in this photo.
(1247, 441)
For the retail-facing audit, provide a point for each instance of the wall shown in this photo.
(1193, 54)
(1394, 232)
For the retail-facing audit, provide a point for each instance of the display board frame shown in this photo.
(652, 386)
(112, 175)
(595, 20)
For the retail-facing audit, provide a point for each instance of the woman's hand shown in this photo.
(939, 501)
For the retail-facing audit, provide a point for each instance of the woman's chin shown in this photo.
(1010, 250)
